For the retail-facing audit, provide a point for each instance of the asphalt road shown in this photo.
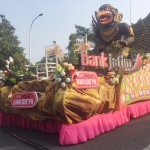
(134, 135)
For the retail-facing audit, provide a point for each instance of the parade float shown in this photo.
(111, 86)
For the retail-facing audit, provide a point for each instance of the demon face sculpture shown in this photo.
(107, 14)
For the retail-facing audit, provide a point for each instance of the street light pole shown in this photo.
(30, 38)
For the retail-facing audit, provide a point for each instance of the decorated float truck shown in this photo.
(111, 85)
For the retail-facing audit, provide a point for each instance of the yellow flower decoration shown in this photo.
(65, 64)
(60, 69)
(118, 76)
(72, 68)
(58, 66)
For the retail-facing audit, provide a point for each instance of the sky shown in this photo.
(59, 19)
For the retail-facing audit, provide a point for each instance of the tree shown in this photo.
(9, 46)
(71, 47)
(43, 60)
(80, 32)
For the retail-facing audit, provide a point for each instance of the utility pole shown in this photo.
(130, 12)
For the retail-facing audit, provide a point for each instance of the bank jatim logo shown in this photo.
(24, 100)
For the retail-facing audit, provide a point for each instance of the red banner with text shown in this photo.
(84, 79)
(24, 100)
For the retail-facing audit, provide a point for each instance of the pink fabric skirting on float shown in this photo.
(98, 124)
(50, 126)
(83, 131)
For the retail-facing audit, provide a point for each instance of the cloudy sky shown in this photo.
(59, 19)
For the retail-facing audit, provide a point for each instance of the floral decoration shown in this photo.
(112, 78)
(13, 76)
(114, 48)
(145, 61)
(63, 74)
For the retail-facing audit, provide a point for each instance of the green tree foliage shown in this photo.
(71, 47)
(9, 45)
(80, 32)
(43, 60)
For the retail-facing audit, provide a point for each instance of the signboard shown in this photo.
(119, 62)
(24, 100)
(84, 79)
(93, 60)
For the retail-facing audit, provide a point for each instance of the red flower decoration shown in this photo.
(7, 73)
(74, 77)
(71, 72)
